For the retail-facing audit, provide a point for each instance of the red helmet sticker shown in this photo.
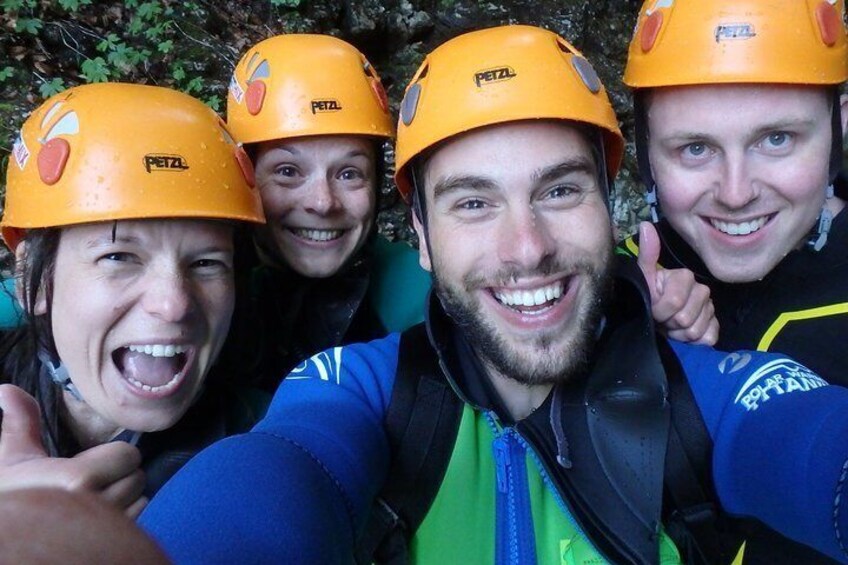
(380, 93)
(650, 31)
(52, 159)
(255, 97)
(830, 24)
(246, 166)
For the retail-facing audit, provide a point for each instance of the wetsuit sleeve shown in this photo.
(780, 437)
(298, 487)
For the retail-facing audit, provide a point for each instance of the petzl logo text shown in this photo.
(161, 162)
(326, 105)
(734, 31)
(487, 76)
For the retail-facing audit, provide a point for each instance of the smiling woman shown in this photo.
(314, 117)
(124, 244)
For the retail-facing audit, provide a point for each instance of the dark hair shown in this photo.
(19, 348)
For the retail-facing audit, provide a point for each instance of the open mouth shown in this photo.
(740, 228)
(153, 368)
(531, 300)
(317, 235)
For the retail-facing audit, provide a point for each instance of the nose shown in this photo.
(323, 200)
(168, 296)
(524, 239)
(736, 187)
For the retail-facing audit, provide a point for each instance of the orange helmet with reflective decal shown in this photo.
(500, 75)
(687, 42)
(299, 85)
(116, 151)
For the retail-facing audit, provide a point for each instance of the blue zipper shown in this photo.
(514, 534)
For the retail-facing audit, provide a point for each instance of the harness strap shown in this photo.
(694, 522)
(422, 422)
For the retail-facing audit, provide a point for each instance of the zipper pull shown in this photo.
(502, 461)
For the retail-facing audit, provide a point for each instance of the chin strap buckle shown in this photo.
(819, 237)
(58, 374)
(651, 197)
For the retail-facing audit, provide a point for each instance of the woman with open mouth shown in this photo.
(122, 208)
(314, 117)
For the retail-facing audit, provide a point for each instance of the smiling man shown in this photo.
(527, 420)
(739, 136)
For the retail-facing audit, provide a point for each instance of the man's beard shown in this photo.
(551, 359)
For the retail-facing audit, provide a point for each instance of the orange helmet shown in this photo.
(300, 84)
(500, 75)
(686, 42)
(115, 151)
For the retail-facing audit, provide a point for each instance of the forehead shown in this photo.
(319, 145)
(505, 151)
(168, 231)
(720, 105)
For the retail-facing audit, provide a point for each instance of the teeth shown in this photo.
(742, 228)
(159, 350)
(536, 297)
(167, 386)
(318, 235)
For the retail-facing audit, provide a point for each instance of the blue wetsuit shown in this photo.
(299, 487)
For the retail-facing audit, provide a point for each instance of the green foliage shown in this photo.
(95, 70)
(73, 5)
(51, 87)
(6, 73)
(28, 25)
(286, 3)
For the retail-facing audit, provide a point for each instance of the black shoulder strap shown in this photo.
(693, 517)
(422, 422)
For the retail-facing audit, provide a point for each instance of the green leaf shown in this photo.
(165, 46)
(178, 73)
(6, 73)
(49, 88)
(131, 3)
(135, 26)
(73, 5)
(95, 70)
(108, 43)
(286, 3)
(12, 5)
(214, 102)
(194, 85)
(28, 25)
(149, 10)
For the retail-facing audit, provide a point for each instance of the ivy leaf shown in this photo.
(12, 5)
(73, 5)
(165, 46)
(6, 73)
(194, 85)
(95, 70)
(108, 43)
(49, 88)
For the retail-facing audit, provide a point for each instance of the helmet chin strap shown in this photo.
(818, 237)
(59, 375)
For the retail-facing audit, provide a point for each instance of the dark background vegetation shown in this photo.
(47, 46)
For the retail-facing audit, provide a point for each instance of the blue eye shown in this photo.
(695, 149)
(562, 192)
(777, 139)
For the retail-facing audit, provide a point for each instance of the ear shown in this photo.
(843, 110)
(40, 306)
(423, 249)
